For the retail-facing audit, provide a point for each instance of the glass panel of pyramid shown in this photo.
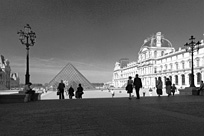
(70, 76)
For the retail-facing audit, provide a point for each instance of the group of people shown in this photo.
(29, 92)
(137, 84)
(169, 87)
(61, 87)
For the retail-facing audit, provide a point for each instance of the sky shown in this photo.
(91, 34)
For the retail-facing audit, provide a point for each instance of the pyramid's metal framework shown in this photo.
(71, 76)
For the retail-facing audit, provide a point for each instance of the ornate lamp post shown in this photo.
(191, 47)
(27, 38)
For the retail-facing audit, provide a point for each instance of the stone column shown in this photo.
(173, 79)
(195, 79)
(162, 78)
(179, 80)
(187, 80)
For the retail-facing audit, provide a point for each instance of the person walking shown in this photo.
(71, 92)
(201, 88)
(129, 86)
(173, 89)
(79, 92)
(137, 84)
(112, 93)
(159, 86)
(150, 91)
(168, 87)
(29, 92)
(60, 88)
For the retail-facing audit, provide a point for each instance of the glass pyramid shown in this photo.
(71, 76)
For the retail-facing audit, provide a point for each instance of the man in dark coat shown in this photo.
(137, 84)
(201, 88)
(60, 88)
(71, 92)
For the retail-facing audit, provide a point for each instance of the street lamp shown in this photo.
(27, 38)
(191, 47)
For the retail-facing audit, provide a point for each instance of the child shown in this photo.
(173, 89)
(144, 92)
(112, 93)
(150, 91)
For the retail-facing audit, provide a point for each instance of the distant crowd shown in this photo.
(61, 88)
(170, 88)
(136, 84)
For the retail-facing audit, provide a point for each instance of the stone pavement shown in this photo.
(148, 116)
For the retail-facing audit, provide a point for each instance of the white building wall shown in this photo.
(165, 66)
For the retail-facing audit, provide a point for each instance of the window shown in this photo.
(170, 78)
(176, 66)
(155, 80)
(165, 67)
(198, 78)
(176, 79)
(183, 79)
(170, 66)
(162, 53)
(203, 61)
(183, 64)
(155, 54)
(197, 62)
(190, 63)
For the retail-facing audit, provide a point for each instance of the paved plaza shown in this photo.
(119, 116)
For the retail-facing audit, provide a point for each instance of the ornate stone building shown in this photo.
(158, 58)
(5, 75)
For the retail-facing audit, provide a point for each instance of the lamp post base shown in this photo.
(188, 91)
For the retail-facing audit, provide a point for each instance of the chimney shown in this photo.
(158, 39)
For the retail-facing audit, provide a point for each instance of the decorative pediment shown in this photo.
(144, 49)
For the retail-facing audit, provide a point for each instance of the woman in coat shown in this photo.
(129, 86)
(159, 86)
(71, 92)
(79, 92)
(168, 87)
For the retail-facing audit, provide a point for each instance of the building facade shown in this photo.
(158, 58)
(6, 81)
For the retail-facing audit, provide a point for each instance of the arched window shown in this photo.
(155, 80)
(165, 66)
(170, 78)
(197, 62)
(155, 54)
(183, 79)
(198, 78)
(162, 53)
(155, 70)
(183, 64)
(176, 79)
